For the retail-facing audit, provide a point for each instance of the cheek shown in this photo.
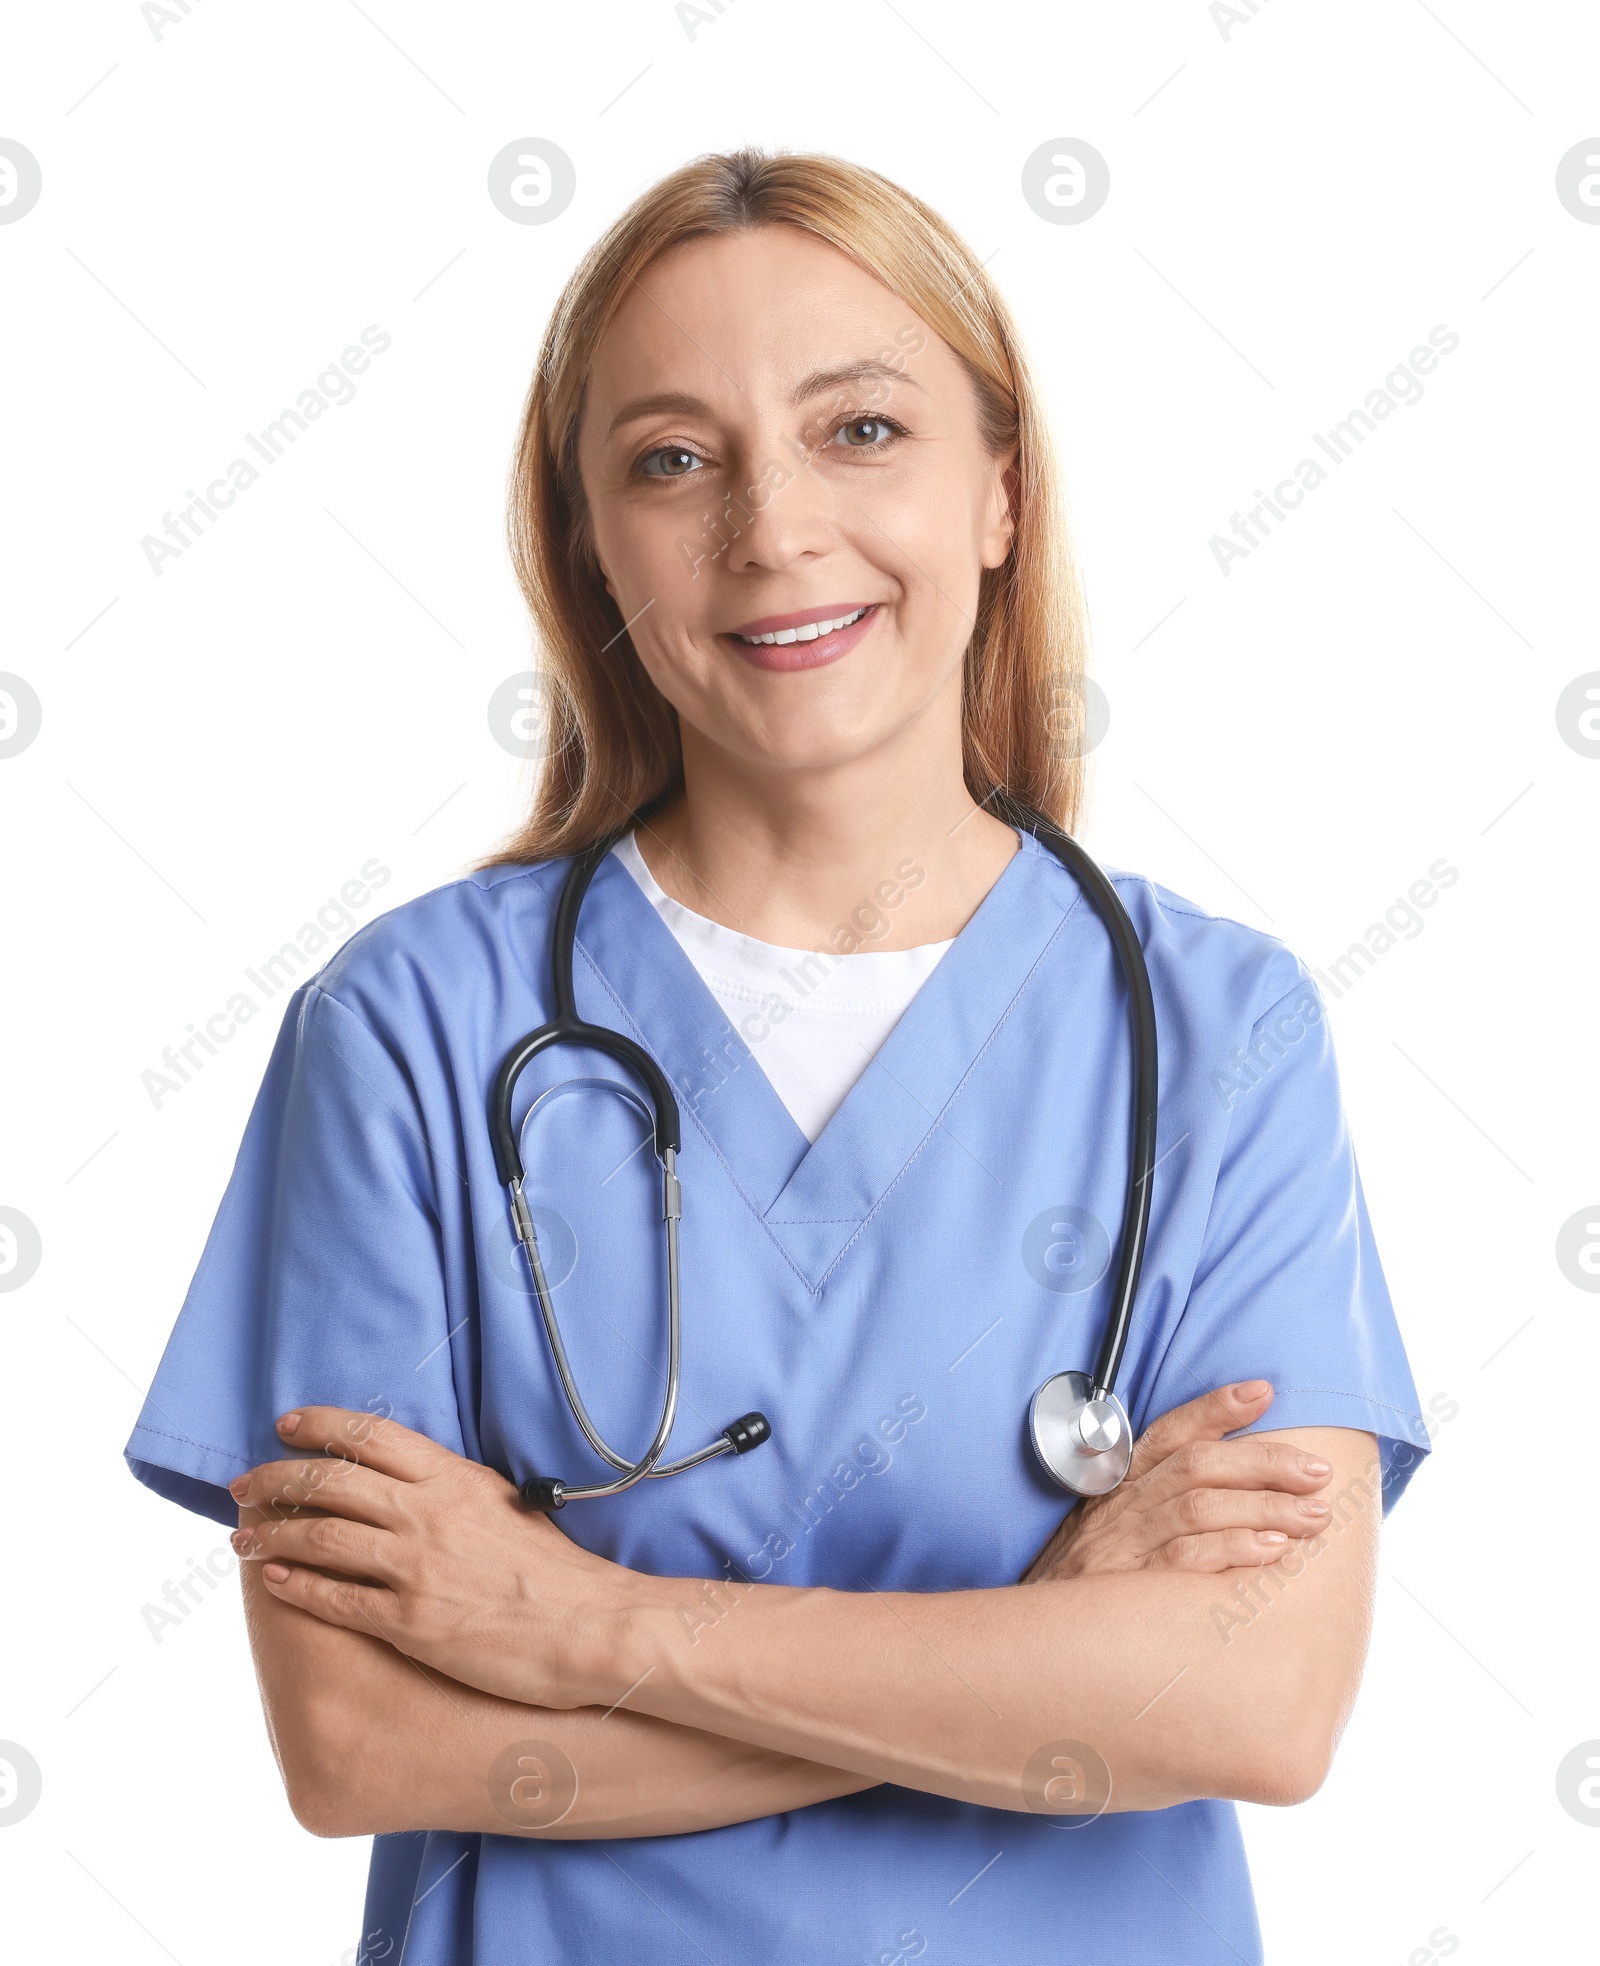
(623, 544)
(682, 666)
(669, 557)
(931, 523)
(928, 550)
(665, 596)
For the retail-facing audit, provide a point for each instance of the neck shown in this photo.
(888, 848)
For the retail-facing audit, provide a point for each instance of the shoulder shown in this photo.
(1204, 967)
(1233, 1005)
(1200, 954)
(465, 944)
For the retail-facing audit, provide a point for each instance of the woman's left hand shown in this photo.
(434, 1554)
(1195, 1500)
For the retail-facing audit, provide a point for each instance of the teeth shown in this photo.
(807, 634)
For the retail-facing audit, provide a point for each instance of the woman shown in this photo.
(785, 514)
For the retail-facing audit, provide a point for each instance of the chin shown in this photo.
(819, 747)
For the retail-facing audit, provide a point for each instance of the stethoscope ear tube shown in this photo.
(1143, 1098)
(665, 1127)
(567, 1027)
(1080, 1428)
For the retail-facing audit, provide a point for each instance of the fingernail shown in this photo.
(1249, 1389)
(1310, 1506)
(243, 1540)
(289, 1424)
(276, 1573)
(1313, 1464)
(240, 1488)
(1271, 1536)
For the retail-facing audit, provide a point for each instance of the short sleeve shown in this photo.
(322, 1279)
(1288, 1286)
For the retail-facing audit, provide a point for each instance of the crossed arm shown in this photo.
(431, 1657)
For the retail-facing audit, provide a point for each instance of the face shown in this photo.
(791, 500)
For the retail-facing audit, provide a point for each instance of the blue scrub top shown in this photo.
(890, 1297)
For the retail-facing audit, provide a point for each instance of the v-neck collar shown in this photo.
(815, 1199)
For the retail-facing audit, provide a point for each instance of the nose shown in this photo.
(787, 514)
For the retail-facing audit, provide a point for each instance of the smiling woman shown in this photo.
(784, 512)
(868, 354)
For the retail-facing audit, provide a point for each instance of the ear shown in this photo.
(1000, 524)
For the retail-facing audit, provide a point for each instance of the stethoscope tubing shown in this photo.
(1144, 1091)
(566, 1027)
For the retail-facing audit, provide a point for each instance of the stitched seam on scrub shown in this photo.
(1366, 1399)
(722, 1160)
(754, 994)
(222, 1453)
(960, 1087)
(807, 1221)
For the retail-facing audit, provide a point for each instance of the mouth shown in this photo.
(805, 640)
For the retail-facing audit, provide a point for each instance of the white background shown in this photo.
(1294, 205)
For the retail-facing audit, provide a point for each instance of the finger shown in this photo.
(321, 1482)
(355, 1607)
(328, 1541)
(368, 1438)
(1206, 1511)
(1223, 1549)
(1209, 1417)
(1248, 1463)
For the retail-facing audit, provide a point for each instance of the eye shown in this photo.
(673, 461)
(868, 433)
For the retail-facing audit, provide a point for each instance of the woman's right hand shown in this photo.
(1194, 1501)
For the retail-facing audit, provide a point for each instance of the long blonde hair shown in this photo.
(611, 738)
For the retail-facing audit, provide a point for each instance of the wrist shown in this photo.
(622, 1639)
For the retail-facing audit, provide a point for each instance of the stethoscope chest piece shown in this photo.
(1084, 1443)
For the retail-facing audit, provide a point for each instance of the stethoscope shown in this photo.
(1080, 1428)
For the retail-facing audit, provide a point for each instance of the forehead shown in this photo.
(749, 313)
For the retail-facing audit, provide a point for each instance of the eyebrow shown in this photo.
(824, 379)
(670, 403)
(676, 403)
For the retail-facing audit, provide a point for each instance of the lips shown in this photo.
(805, 640)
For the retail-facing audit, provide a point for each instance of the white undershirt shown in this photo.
(813, 1020)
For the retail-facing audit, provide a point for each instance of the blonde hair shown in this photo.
(612, 743)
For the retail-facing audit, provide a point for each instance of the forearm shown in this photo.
(464, 1760)
(368, 1741)
(1186, 1686)
(955, 1693)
